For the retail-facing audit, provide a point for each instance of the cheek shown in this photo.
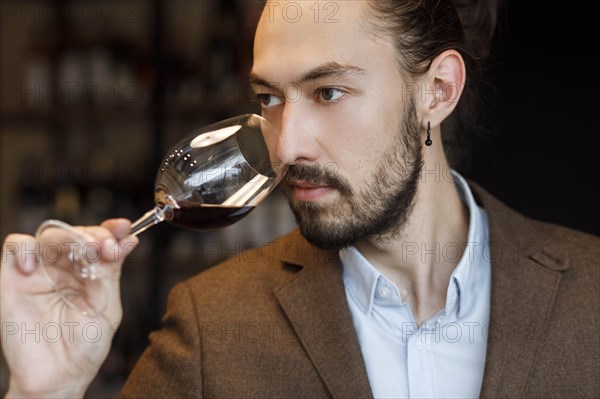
(350, 141)
(358, 130)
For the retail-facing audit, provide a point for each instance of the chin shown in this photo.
(325, 233)
(325, 241)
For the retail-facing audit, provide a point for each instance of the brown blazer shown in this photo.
(274, 322)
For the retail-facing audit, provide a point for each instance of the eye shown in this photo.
(268, 100)
(329, 95)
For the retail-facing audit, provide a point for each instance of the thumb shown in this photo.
(126, 243)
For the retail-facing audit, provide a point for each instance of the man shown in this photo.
(400, 284)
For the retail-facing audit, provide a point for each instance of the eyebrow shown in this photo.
(327, 70)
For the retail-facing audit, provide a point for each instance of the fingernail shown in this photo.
(29, 264)
(110, 245)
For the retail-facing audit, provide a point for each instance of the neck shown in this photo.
(413, 259)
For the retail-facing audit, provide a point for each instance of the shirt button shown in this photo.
(384, 292)
(419, 345)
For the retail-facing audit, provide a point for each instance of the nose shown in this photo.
(298, 135)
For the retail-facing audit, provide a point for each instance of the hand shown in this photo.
(51, 348)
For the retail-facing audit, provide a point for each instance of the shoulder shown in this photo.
(555, 247)
(578, 244)
(249, 277)
(263, 260)
(574, 253)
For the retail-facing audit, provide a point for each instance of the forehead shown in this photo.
(295, 36)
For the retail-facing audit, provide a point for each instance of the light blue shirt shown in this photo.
(446, 356)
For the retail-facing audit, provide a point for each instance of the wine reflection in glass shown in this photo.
(210, 179)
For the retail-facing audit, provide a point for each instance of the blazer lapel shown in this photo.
(315, 303)
(525, 279)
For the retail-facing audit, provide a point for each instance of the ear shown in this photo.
(442, 87)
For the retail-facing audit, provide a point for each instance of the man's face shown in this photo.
(348, 130)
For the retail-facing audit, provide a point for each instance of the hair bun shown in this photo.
(478, 18)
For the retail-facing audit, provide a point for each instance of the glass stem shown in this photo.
(151, 218)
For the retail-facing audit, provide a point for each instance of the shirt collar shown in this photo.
(465, 276)
(361, 277)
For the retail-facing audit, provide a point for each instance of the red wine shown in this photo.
(205, 217)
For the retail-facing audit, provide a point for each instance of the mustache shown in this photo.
(315, 174)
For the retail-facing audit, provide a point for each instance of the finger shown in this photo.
(128, 244)
(102, 243)
(20, 251)
(111, 250)
(120, 228)
(116, 252)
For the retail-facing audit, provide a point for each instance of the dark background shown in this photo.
(540, 155)
(187, 62)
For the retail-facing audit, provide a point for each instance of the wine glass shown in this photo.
(210, 179)
(215, 176)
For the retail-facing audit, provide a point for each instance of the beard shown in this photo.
(380, 208)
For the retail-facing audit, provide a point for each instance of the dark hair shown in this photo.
(421, 30)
